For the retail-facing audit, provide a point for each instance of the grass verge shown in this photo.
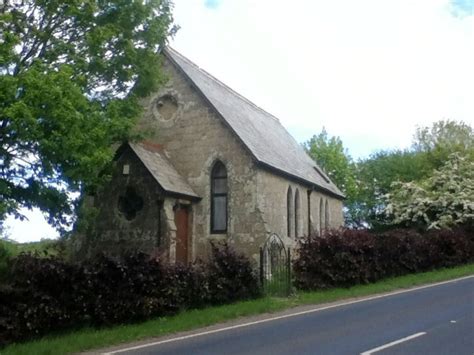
(86, 339)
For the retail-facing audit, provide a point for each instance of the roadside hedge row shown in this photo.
(49, 294)
(348, 257)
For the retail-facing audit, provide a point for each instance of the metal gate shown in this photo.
(275, 267)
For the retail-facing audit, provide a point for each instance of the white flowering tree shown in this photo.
(443, 200)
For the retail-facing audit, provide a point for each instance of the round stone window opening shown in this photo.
(166, 106)
(130, 203)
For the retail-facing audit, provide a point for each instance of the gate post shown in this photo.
(261, 267)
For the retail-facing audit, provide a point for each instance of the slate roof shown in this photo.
(263, 135)
(162, 170)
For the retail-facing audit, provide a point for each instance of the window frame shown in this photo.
(297, 213)
(322, 227)
(214, 194)
(290, 212)
(327, 221)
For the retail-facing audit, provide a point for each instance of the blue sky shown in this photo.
(370, 71)
(212, 4)
(460, 8)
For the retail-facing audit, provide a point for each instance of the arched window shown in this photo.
(297, 213)
(321, 216)
(290, 212)
(219, 192)
(326, 215)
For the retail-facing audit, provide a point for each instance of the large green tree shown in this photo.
(72, 73)
(437, 142)
(375, 176)
(334, 159)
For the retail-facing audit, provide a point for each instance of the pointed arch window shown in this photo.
(219, 198)
(326, 215)
(297, 213)
(321, 216)
(290, 211)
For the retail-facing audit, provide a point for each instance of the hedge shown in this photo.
(347, 257)
(49, 294)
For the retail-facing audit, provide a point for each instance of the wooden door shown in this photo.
(181, 219)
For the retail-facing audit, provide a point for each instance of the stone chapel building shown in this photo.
(216, 167)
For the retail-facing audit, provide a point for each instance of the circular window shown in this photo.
(166, 107)
(130, 203)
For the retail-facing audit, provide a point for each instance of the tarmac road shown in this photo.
(436, 319)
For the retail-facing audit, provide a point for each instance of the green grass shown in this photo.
(87, 339)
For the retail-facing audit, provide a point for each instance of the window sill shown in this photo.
(218, 236)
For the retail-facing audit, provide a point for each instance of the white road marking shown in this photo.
(453, 321)
(313, 310)
(374, 350)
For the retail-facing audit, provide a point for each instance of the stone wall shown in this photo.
(194, 137)
(130, 211)
(335, 214)
(273, 201)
